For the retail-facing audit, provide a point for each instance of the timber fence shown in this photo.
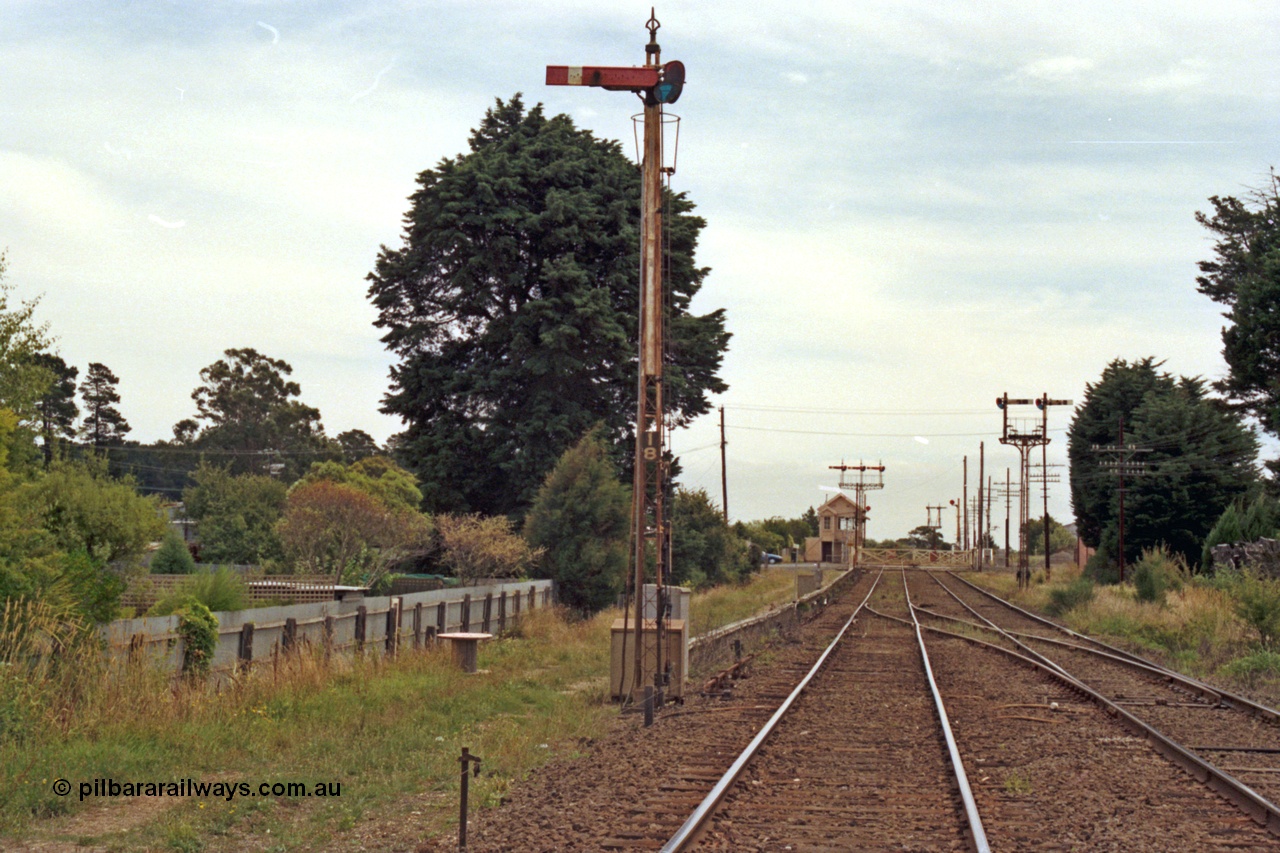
(384, 624)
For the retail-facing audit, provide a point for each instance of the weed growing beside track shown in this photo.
(1197, 629)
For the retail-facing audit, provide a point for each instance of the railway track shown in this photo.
(858, 760)
(862, 762)
(1229, 742)
(842, 769)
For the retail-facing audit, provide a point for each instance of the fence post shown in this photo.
(328, 636)
(442, 618)
(393, 627)
(488, 611)
(245, 652)
(466, 613)
(136, 644)
(515, 602)
(502, 611)
(289, 639)
(362, 614)
(533, 601)
(417, 625)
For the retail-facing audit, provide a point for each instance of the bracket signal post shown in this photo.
(1025, 441)
(656, 84)
(860, 488)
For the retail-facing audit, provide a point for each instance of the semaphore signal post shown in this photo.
(657, 84)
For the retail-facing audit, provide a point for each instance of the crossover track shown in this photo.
(1226, 741)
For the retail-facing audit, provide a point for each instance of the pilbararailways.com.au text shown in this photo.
(191, 788)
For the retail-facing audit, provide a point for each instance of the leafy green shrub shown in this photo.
(1069, 597)
(1158, 572)
(198, 628)
(1252, 667)
(580, 519)
(218, 590)
(1240, 523)
(1101, 567)
(173, 558)
(1257, 602)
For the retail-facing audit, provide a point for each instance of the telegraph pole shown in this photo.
(1045, 478)
(1007, 492)
(982, 460)
(1123, 464)
(657, 84)
(987, 520)
(724, 476)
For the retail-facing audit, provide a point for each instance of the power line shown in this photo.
(806, 410)
(870, 434)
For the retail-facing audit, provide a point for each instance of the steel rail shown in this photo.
(694, 824)
(1225, 697)
(977, 834)
(1258, 807)
(1143, 667)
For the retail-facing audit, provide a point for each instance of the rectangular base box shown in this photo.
(622, 653)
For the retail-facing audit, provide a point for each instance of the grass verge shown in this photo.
(388, 732)
(1200, 629)
(724, 605)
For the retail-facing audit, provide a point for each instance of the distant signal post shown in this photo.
(656, 84)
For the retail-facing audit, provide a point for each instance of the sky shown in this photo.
(912, 207)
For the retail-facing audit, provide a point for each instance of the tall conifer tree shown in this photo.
(512, 310)
(103, 424)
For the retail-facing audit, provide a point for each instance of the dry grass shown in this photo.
(724, 605)
(1196, 630)
(387, 730)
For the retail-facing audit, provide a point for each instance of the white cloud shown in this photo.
(1057, 67)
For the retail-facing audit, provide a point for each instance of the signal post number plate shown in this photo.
(651, 446)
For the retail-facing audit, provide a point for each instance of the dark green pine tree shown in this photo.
(1201, 458)
(1118, 393)
(582, 516)
(1244, 275)
(56, 411)
(512, 304)
(103, 424)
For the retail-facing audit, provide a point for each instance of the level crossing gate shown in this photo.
(923, 558)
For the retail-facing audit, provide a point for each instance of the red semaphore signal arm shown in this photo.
(618, 78)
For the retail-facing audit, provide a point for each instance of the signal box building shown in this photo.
(838, 521)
